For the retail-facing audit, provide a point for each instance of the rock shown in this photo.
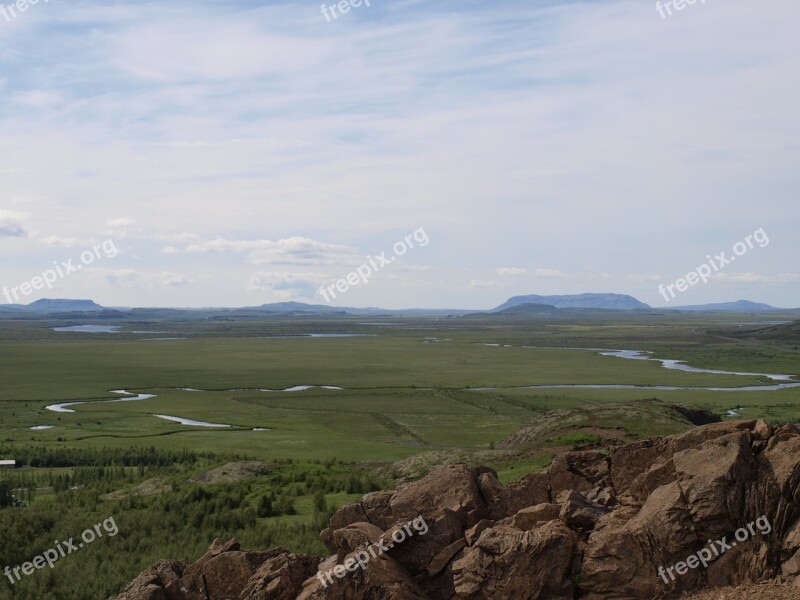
(508, 563)
(382, 578)
(280, 578)
(580, 513)
(528, 518)
(153, 583)
(599, 525)
(223, 575)
(475, 532)
(762, 431)
(347, 539)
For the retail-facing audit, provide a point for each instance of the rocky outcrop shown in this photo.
(716, 506)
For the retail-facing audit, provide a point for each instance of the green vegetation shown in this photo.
(408, 404)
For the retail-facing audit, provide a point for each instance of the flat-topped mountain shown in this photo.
(56, 305)
(599, 301)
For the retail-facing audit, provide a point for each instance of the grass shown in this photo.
(407, 406)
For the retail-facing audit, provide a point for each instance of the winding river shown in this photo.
(786, 382)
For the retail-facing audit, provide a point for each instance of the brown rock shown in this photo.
(507, 563)
(471, 535)
(152, 584)
(580, 513)
(280, 578)
(531, 517)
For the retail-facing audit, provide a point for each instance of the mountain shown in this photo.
(528, 308)
(297, 308)
(602, 301)
(50, 306)
(738, 306)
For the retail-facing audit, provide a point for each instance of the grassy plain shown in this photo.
(410, 400)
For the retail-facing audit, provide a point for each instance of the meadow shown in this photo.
(410, 398)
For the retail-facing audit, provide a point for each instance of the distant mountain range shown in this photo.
(517, 306)
(738, 306)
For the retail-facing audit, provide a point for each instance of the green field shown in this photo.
(409, 402)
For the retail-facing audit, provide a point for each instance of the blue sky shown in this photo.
(247, 152)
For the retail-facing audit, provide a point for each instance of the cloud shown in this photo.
(294, 250)
(517, 271)
(126, 229)
(194, 48)
(752, 278)
(549, 273)
(482, 283)
(134, 279)
(67, 242)
(11, 224)
(511, 271)
(286, 285)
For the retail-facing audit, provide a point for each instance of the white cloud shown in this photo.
(141, 280)
(511, 271)
(67, 242)
(294, 250)
(549, 273)
(127, 229)
(286, 285)
(11, 224)
(482, 283)
(539, 272)
(756, 278)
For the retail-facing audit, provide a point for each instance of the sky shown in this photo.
(213, 153)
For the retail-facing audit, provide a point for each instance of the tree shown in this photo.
(6, 497)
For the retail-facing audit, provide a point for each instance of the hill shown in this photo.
(50, 306)
(738, 306)
(597, 301)
(788, 332)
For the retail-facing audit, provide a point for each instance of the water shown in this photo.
(191, 422)
(90, 328)
(679, 365)
(319, 335)
(62, 408)
(102, 329)
(302, 388)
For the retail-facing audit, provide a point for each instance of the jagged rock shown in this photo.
(507, 563)
(159, 582)
(280, 578)
(224, 574)
(601, 524)
(528, 518)
(579, 512)
(383, 578)
(471, 535)
(347, 539)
